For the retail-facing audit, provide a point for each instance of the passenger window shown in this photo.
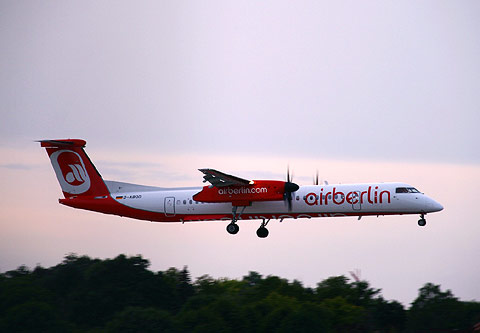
(190, 202)
(178, 202)
(184, 202)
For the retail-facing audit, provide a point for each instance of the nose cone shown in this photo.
(432, 205)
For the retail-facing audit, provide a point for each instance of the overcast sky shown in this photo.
(361, 91)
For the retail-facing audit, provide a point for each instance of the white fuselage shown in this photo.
(308, 201)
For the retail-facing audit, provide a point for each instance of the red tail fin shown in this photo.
(75, 171)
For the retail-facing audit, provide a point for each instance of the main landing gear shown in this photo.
(422, 222)
(262, 232)
(233, 228)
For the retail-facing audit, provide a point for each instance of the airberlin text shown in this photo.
(242, 190)
(371, 196)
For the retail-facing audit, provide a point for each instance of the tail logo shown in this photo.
(71, 172)
(78, 175)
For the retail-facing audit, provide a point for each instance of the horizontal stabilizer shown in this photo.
(62, 143)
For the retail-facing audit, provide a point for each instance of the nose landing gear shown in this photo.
(422, 222)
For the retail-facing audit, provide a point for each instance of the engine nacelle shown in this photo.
(243, 195)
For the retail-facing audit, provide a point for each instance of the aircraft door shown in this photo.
(356, 204)
(170, 206)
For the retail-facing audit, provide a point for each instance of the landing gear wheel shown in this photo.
(232, 228)
(422, 222)
(262, 232)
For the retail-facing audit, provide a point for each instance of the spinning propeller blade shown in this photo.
(290, 187)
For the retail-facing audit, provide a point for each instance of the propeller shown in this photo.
(290, 187)
(316, 180)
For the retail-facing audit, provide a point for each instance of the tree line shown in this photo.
(82, 294)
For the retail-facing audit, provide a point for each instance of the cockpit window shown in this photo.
(406, 190)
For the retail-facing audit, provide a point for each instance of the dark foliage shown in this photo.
(122, 295)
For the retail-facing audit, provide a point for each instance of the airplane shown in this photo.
(227, 197)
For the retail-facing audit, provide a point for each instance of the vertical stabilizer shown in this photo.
(75, 171)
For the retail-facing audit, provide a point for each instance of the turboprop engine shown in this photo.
(244, 195)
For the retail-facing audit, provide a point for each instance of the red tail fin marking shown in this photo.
(75, 172)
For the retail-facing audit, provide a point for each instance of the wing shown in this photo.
(220, 179)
